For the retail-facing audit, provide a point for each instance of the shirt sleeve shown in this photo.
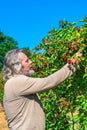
(34, 85)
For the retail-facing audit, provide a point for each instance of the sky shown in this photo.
(28, 21)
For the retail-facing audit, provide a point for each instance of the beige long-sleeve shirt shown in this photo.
(21, 103)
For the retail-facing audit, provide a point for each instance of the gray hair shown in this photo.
(12, 64)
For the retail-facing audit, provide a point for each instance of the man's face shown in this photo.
(27, 68)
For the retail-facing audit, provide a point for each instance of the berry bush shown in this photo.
(66, 105)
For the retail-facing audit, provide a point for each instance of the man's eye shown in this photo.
(26, 60)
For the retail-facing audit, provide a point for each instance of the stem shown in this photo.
(72, 121)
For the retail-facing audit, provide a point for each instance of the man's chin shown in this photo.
(30, 73)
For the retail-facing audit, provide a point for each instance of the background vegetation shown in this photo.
(66, 105)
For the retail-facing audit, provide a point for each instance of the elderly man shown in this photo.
(21, 103)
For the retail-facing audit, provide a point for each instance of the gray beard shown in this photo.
(30, 73)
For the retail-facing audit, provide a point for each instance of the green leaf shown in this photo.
(85, 75)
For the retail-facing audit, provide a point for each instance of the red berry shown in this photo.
(78, 29)
(44, 41)
(69, 62)
(64, 57)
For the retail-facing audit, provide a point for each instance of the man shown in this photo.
(21, 103)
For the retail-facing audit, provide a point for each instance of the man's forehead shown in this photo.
(22, 55)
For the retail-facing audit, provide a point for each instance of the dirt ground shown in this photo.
(3, 122)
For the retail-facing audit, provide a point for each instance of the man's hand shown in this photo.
(76, 58)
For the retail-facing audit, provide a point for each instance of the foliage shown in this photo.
(66, 105)
(1, 87)
(6, 43)
(28, 52)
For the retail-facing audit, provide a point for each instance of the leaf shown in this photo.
(81, 20)
(85, 75)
